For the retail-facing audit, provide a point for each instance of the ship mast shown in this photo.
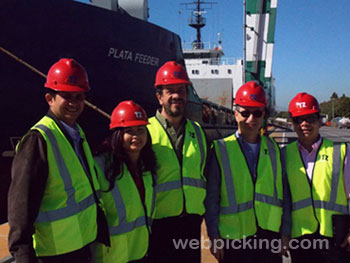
(196, 20)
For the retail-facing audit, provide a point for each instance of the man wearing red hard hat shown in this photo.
(245, 190)
(54, 209)
(318, 171)
(180, 148)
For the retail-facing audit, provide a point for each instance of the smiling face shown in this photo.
(67, 106)
(249, 120)
(307, 128)
(134, 139)
(173, 100)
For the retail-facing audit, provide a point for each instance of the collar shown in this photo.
(51, 115)
(167, 124)
(241, 139)
(72, 131)
(315, 146)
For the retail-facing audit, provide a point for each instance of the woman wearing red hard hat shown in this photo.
(126, 174)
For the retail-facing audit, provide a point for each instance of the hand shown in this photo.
(216, 249)
(346, 243)
(285, 245)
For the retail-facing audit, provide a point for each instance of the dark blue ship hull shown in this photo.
(121, 55)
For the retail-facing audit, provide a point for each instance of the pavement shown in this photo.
(4, 228)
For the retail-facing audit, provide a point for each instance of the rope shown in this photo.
(89, 104)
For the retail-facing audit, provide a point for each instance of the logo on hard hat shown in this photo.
(254, 97)
(177, 74)
(301, 105)
(72, 79)
(138, 114)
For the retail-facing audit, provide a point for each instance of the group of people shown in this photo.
(147, 191)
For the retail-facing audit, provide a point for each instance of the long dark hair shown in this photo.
(114, 168)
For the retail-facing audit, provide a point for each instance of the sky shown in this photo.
(312, 41)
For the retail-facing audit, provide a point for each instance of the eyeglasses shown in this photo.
(247, 113)
(310, 119)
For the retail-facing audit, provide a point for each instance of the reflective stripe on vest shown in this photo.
(181, 184)
(125, 226)
(72, 207)
(246, 205)
(233, 206)
(129, 218)
(331, 205)
(67, 216)
(167, 186)
(314, 203)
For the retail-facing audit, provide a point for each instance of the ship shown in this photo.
(113, 39)
(217, 78)
(120, 50)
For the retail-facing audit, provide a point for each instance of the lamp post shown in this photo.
(334, 124)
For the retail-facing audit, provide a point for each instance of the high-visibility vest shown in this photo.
(313, 204)
(179, 187)
(129, 219)
(67, 216)
(243, 204)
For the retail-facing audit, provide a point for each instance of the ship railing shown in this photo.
(217, 121)
(213, 61)
(203, 45)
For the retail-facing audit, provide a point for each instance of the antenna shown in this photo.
(196, 20)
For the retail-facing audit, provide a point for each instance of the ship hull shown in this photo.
(120, 53)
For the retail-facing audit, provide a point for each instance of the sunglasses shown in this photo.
(256, 113)
(310, 119)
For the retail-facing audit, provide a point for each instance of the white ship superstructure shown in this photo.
(216, 78)
(213, 77)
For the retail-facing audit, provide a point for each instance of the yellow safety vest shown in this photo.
(67, 217)
(314, 203)
(244, 205)
(179, 187)
(129, 223)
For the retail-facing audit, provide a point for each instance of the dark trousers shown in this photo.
(319, 249)
(261, 247)
(167, 232)
(82, 255)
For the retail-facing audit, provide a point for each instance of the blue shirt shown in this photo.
(251, 154)
(75, 135)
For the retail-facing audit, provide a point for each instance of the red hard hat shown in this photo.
(303, 104)
(171, 73)
(128, 114)
(67, 75)
(251, 94)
